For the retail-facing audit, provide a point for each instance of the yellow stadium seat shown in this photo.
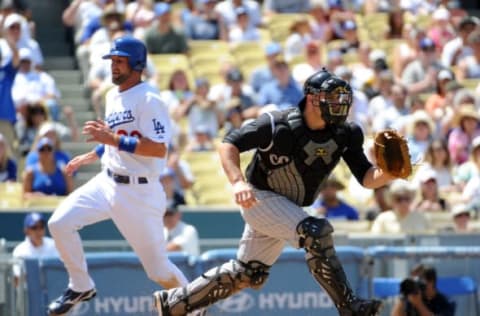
(247, 49)
(470, 83)
(170, 61)
(206, 47)
(47, 201)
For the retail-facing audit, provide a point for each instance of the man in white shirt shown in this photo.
(179, 235)
(36, 244)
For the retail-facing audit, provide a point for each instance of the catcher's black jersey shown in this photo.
(293, 160)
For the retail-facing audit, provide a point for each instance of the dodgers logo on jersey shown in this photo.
(158, 127)
(119, 118)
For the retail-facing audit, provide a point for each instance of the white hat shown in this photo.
(460, 209)
(25, 54)
(45, 128)
(400, 186)
(476, 142)
(441, 14)
(12, 19)
(376, 54)
(427, 174)
(445, 74)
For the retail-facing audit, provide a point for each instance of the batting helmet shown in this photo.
(332, 94)
(132, 48)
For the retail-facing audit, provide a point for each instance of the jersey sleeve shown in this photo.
(257, 134)
(354, 155)
(154, 121)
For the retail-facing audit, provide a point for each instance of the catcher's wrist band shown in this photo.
(99, 150)
(127, 143)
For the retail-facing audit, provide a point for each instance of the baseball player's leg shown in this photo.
(315, 236)
(85, 206)
(138, 213)
(278, 217)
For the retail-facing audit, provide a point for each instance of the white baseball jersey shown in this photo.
(137, 112)
(136, 208)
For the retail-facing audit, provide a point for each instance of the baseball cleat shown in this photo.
(63, 304)
(366, 308)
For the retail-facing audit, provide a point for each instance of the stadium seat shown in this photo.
(205, 47)
(169, 61)
(47, 201)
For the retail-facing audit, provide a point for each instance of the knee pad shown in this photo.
(316, 236)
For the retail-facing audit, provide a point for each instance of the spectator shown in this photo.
(32, 86)
(396, 23)
(265, 74)
(272, 7)
(320, 26)
(112, 21)
(350, 36)
(429, 198)
(13, 29)
(284, 92)
(227, 11)
(462, 216)
(441, 30)
(243, 31)
(179, 235)
(201, 140)
(8, 166)
(140, 14)
(380, 203)
(238, 100)
(469, 66)
(389, 109)
(328, 204)
(420, 75)
(401, 218)
(206, 24)
(184, 178)
(36, 243)
(420, 295)
(162, 38)
(466, 129)
(35, 115)
(203, 114)
(436, 102)
(174, 198)
(46, 177)
(54, 132)
(178, 92)
(9, 62)
(457, 48)
(437, 159)
(313, 63)
(300, 36)
(420, 132)
(405, 53)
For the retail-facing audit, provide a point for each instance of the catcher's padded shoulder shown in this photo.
(392, 154)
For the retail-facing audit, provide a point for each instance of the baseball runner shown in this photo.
(296, 151)
(133, 147)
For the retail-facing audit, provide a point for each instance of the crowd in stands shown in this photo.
(413, 65)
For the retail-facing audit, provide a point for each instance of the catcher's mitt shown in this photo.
(392, 155)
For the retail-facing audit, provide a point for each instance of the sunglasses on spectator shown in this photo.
(37, 227)
(46, 149)
(400, 199)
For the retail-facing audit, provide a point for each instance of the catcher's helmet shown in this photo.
(332, 94)
(132, 48)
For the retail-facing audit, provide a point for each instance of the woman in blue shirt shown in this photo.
(46, 177)
(8, 166)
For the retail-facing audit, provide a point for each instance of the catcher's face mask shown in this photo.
(334, 104)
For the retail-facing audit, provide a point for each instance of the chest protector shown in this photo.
(297, 160)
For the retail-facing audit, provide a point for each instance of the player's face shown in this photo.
(121, 70)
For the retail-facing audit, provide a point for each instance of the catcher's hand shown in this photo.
(392, 155)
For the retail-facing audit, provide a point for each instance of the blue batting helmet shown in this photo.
(132, 48)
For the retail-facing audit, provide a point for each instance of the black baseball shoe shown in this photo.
(365, 308)
(67, 300)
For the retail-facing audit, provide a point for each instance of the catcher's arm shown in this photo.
(376, 177)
